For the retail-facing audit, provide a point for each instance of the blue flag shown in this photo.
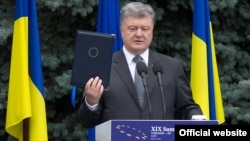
(108, 22)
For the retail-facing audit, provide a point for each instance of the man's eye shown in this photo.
(145, 28)
(132, 28)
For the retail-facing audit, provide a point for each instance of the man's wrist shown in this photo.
(92, 107)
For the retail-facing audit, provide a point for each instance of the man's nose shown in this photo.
(139, 32)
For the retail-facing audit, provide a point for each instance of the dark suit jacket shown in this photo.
(121, 102)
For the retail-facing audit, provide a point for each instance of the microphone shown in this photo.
(158, 70)
(142, 71)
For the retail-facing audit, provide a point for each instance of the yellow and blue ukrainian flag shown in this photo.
(205, 81)
(25, 92)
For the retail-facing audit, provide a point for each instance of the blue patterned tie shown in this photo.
(138, 81)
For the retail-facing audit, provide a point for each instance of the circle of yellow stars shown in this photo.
(93, 52)
(124, 130)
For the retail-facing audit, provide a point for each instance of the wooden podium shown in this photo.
(140, 130)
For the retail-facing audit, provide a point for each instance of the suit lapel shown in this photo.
(152, 79)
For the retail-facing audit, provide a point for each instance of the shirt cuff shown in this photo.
(198, 117)
(92, 107)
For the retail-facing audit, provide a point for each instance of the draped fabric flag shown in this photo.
(205, 81)
(25, 93)
(108, 22)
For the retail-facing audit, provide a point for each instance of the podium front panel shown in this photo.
(142, 130)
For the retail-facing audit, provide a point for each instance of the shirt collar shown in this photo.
(129, 56)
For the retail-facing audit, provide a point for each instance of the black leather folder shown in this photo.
(92, 57)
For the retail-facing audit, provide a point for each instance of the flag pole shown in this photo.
(26, 129)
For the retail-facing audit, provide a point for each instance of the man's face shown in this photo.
(137, 33)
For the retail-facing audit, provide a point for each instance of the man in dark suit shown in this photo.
(121, 101)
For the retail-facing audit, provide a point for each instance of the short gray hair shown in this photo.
(137, 9)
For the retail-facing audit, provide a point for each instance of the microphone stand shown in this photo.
(142, 70)
(162, 95)
(147, 95)
(158, 69)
